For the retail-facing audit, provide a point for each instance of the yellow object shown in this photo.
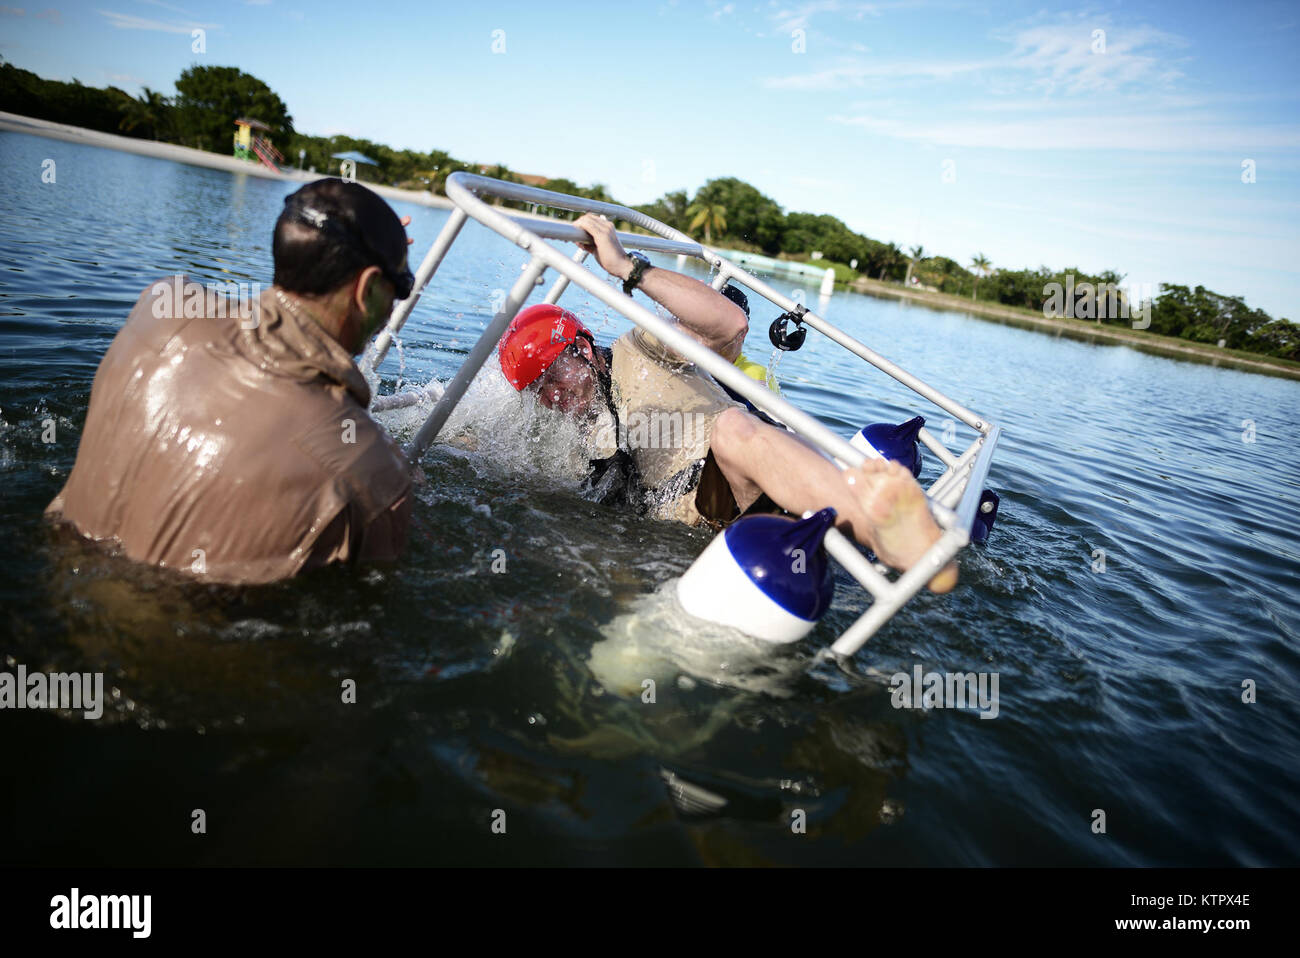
(754, 371)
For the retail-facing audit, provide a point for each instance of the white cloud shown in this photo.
(1095, 130)
(126, 21)
(796, 18)
(125, 79)
(858, 74)
(1052, 58)
(168, 6)
(1062, 55)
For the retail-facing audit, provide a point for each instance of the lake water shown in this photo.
(1121, 689)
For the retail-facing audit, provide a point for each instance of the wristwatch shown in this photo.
(640, 263)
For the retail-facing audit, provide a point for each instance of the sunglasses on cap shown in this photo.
(403, 280)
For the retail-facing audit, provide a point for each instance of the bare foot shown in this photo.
(901, 528)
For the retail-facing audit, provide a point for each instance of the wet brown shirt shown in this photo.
(234, 448)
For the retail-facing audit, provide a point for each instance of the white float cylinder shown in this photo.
(767, 576)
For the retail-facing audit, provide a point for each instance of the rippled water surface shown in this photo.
(1120, 690)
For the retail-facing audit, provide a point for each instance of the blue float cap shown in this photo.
(985, 515)
(764, 547)
(897, 442)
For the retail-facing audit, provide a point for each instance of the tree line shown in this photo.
(728, 211)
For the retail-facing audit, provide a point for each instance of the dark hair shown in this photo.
(329, 231)
(734, 294)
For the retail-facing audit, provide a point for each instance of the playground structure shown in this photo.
(251, 143)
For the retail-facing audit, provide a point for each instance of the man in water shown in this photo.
(726, 461)
(242, 451)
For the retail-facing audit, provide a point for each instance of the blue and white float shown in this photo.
(885, 441)
(901, 443)
(767, 576)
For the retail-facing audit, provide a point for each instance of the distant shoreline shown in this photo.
(1023, 318)
(14, 123)
(1080, 329)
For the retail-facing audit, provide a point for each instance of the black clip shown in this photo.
(780, 333)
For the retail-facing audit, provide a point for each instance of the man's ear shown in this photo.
(364, 287)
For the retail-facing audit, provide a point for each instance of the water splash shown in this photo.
(401, 363)
(510, 429)
(772, 364)
(658, 639)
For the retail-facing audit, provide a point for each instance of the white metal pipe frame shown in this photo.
(953, 497)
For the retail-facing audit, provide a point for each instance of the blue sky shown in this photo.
(966, 127)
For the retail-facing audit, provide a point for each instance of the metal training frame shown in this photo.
(953, 497)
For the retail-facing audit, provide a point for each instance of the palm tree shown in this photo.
(150, 110)
(980, 263)
(917, 252)
(890, 257)
(709, 215)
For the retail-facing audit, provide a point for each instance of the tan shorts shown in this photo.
(712, 503)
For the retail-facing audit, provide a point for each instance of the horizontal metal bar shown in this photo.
(563, 201)
(568, 233)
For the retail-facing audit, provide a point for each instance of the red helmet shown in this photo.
(534, 339)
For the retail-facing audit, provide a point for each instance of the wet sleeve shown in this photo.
(384, 538)
(350, 538)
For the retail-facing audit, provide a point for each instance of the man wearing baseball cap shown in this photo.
(242, 452)
(736, 463)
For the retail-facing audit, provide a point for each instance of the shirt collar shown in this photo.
(296, 345)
